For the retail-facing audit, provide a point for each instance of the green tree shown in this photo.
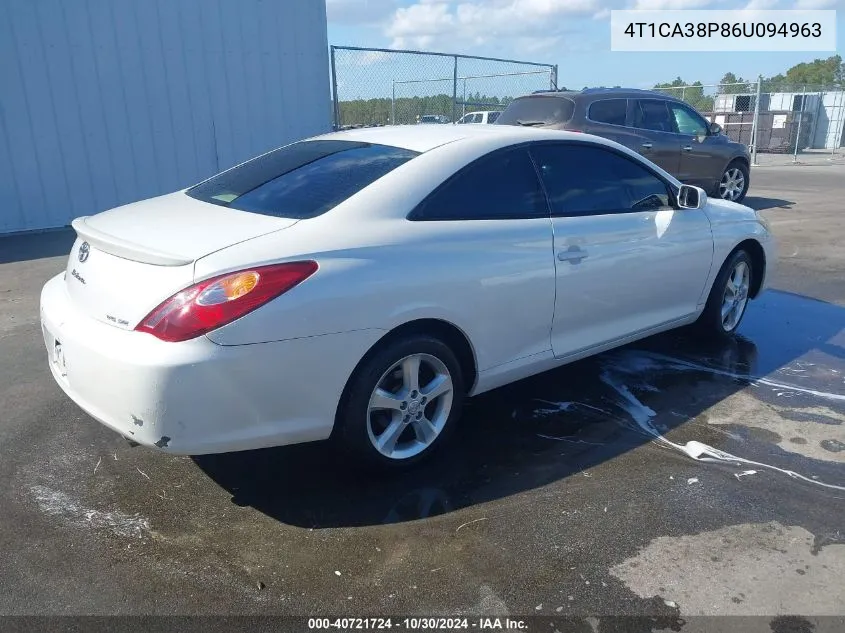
(820, 73)
(733, 85)
(692, 93)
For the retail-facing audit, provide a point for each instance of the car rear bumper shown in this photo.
(197, 397)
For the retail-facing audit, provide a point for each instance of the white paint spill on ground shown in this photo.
(642, 415)
(552, 408)
(636, 362)
(744, 569)
(745, 473)
(58, 504)
(571, 440)
(559, 407)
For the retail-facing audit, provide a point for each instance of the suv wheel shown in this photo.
(734, 182)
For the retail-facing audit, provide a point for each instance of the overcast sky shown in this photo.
(572, 33)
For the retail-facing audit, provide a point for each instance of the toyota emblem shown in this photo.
(84, 251)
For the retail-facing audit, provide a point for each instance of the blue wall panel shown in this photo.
(103, 102)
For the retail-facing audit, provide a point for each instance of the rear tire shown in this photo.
(734, 182)
(400, 404)
(728, 297)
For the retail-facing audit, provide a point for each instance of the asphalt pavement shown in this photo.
(670, 479)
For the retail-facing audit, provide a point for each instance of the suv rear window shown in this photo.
(537, 108)
(611, 111)
(302, 180)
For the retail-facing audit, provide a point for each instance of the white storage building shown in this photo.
(103, 102)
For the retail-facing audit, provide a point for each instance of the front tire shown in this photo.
(401, 403)
(733, 185)
(728, 297)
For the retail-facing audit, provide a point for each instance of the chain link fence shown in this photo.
(373, 86)
(773, 119)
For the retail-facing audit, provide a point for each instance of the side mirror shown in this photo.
(690, 197)
(715, 129)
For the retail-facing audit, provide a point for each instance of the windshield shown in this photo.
(537, 109)
(302, 180)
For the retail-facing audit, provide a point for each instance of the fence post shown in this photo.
(800, 119)
(553, 77)
(393, 104)
(755, 126)
(336, 104)
(837, 131)
(455, 91)
(815, 120)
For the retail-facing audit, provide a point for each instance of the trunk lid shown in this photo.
(128, 260)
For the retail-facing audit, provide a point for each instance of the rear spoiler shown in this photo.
(124, 248)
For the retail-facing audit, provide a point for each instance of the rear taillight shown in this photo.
(213, 303)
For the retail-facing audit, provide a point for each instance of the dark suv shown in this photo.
(665, 130)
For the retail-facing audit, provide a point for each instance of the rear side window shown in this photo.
(611, 111)
(589, 180)
(652, 114)
(302, 180)
(537, 109)
(492, 116)
(499, 186)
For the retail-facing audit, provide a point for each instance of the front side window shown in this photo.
(652, 114)
(611, 111)
(687, 121)
(589, 180)
(501, 185)
(302, 180)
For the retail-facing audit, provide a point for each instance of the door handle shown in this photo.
(647, 145)
(687, 148)
(573, 255)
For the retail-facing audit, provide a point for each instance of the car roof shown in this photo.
(621, 93)
(424, 138)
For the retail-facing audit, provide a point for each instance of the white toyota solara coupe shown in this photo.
(359, 285)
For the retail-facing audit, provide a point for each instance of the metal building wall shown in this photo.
(103, 102)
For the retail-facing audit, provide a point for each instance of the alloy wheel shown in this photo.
(409, 406)
(735, 296)
(732, 184)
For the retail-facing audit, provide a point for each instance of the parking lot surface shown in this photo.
(671, 478)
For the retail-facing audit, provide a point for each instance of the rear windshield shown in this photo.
(537, 108)
(302, 180)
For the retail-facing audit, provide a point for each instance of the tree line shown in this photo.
(378, 111)
(813, 76)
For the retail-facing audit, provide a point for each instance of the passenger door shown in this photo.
(702, 161)
(608, 118)
(658, 141)
(626, 260)
(483, 242)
